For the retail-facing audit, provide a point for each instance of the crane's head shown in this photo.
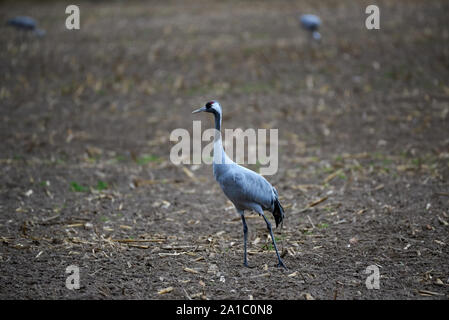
(211, 106)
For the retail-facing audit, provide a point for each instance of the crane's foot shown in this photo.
(281, 264)
(247, 265)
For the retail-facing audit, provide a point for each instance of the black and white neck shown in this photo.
(220, 156)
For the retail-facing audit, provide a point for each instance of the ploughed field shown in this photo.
(87, 181)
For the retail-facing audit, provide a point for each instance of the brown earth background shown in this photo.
(86, 179)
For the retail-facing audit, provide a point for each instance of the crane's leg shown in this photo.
(280, 264)
(245, 239)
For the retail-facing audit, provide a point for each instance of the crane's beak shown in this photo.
(199, 110)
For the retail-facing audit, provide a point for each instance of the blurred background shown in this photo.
(86, 116)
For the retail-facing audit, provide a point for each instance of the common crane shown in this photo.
(246, 189)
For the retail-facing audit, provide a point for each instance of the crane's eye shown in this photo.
(209, 104)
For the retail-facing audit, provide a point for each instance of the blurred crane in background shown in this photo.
(26, 24)
(311, 23)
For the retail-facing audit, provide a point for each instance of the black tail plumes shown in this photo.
(278, 212)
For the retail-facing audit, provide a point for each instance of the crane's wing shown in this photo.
(243, 187)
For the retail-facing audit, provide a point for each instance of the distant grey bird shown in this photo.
(311, 23)
(25, 23)
(246, 189)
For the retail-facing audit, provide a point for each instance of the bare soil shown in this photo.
(86, 178)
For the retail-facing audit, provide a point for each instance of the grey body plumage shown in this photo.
(246, 189)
